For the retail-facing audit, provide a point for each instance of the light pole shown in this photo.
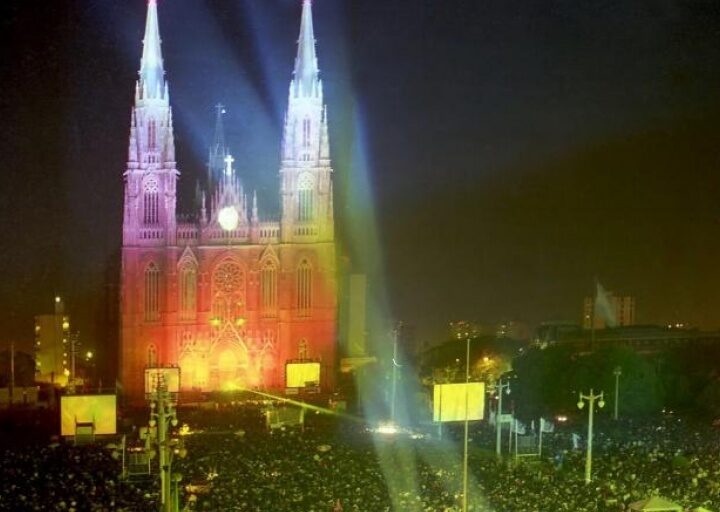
(465, 452)
(617, 372)
(164, 416)
(591, 411)
(499, 387)
(393, 396)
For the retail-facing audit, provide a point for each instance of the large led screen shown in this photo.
(298, 375)
(171, 376)
(449, 401)
(97, 409)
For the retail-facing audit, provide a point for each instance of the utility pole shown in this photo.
(163, 417)
(393, 398)
(74, 340)
(465, 444)
(12, 371)
(498, 426)
(591, 398)
(617, 372)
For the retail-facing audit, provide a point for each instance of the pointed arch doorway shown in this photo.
(228, 361)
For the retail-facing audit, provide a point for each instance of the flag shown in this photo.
(548, 427)
(603, 307)
(519, 428)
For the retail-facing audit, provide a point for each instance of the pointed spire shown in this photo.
(306, 65)
(218, 149)
(152, 73)
(254, 208)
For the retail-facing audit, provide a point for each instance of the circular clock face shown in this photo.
(228, 218)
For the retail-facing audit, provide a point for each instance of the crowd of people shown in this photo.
(40, 472)
(235, 463)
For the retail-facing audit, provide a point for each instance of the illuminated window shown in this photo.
(306, 184)
(188, 291)
(152, 293)
(304, 288)
(152, 135)
(306, 133)
(151, 202)
(268, 288)
(152, 355)
(228, 293)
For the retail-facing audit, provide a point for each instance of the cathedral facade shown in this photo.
(225, 295)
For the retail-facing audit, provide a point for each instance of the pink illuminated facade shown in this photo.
(226, 295)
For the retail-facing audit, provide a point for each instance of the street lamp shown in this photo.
(591, 398)
(617, 372)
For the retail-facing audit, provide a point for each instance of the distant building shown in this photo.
(52, 345)
(464, 329)
(357, 313)
(622, 307)
(644, 339)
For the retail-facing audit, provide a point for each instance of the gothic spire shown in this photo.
(306, 65)
(218, 149)
(152, 74)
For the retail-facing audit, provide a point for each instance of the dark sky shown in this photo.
(506, 152)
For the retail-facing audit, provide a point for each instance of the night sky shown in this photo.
(492, 158)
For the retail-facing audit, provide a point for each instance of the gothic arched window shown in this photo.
(303, 352)
(305, 186)
(152, 356)
(151, 202)
(188, 291)
(151, 301)
(268, 288)
(152, 135)
(306, 132)
(304, 288)
(228, 293)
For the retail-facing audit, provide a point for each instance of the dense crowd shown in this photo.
(235, 464)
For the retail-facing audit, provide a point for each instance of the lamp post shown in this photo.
(465, 445)
(163, 416)
(395, 366)
(591, 398)
(617, 372)
(499, 387)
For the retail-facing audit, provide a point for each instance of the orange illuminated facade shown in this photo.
(226, 295)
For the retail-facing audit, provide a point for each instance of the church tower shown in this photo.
(151, 176)
(149, 220)
(305, 173)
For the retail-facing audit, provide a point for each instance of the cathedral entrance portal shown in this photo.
(228, 361)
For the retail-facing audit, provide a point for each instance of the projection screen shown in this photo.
(97, 409)
(449, 401)
(299, 375)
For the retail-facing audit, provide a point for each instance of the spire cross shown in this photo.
(220, 108)
(228, 164)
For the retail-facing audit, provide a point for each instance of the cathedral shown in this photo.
(224, 294)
